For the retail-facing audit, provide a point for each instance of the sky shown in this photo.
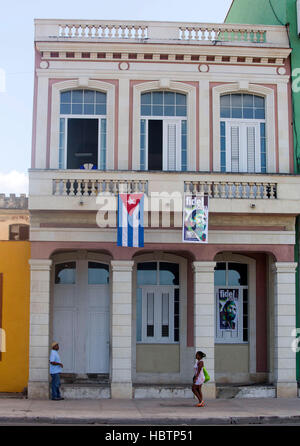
(17, 61)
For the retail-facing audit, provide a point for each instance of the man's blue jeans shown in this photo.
(55, 384)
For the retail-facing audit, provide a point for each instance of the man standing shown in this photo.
(55, 368)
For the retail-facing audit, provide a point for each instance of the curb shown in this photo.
(260, 420)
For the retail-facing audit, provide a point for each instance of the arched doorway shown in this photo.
(81, 312)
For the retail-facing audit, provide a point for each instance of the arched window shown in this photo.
(82, 131)
(243, 133)
(163, 131)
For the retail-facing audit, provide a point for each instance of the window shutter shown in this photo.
(172, 143)
(251, 149)
(235, 148)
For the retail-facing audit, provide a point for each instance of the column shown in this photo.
(284, 324)
(121, 376)
(204, 319)
(38, 384)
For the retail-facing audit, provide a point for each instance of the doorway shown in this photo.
(81, 315)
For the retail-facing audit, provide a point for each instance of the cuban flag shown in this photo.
(131, 220)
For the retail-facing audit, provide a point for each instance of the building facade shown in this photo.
(164, 109)
(14, 293)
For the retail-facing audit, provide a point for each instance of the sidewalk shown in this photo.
(151, 412)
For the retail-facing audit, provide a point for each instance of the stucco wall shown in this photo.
(157, 358)
(14, 266)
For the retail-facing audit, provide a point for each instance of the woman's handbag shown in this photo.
(206, 375)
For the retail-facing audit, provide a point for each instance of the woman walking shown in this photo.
(199, 378)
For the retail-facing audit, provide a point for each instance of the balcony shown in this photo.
(159, 32)
(228, 193)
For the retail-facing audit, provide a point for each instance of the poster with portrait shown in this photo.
(195, 218)
(228, 304)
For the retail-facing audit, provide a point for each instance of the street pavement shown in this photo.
(254, 411)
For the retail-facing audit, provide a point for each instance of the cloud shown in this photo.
(14, 182)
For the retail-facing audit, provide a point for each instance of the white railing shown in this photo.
(94, 187)
(102, 31)
(229, 190)
(200, 33)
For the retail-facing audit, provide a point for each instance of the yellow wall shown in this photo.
(14, 256)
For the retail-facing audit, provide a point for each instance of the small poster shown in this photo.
(195, 218)
(228, 301)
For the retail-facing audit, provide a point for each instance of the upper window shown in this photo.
(243, 133)
(18, 232)
(163, 131)
(82, 135)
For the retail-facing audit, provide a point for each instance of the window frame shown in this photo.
(240, 338)
(176, 87)
(158, 290)
(242, 124)
(270, 121)
(67, 116)
(111, 116)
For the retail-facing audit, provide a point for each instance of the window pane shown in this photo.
(150, 314)
(65, 97)
(165, 315)
(146, 110)
(169, 111)
(77, 96)
(180, 99)
(236, 100)
(65, 273)
(157, 98)
(168, 273)
(146, 98)
(225, 101)
(88, 109)
(65, 109)
(176, 315)
(98, 273)
(147, 273)
(77, 109)
(169, 98)
(139, 315)
(237, 113)
(89, 97)
(237, 274)
(220, 274)
(180, 110)
(100, 97)
(259, 102)
(225, 112)
(248, 113)
(157, 110)
(259, 113)
(100, 109)
(247, 100)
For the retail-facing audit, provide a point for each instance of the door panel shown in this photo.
(81, 324)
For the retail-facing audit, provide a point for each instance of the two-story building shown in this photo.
(165, 109)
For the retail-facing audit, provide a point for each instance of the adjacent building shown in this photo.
(14, 293)
(165, 109)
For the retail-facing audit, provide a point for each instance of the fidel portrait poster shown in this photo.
(195, 218)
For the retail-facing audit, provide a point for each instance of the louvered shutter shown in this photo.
(251, 149)
(235, 148)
